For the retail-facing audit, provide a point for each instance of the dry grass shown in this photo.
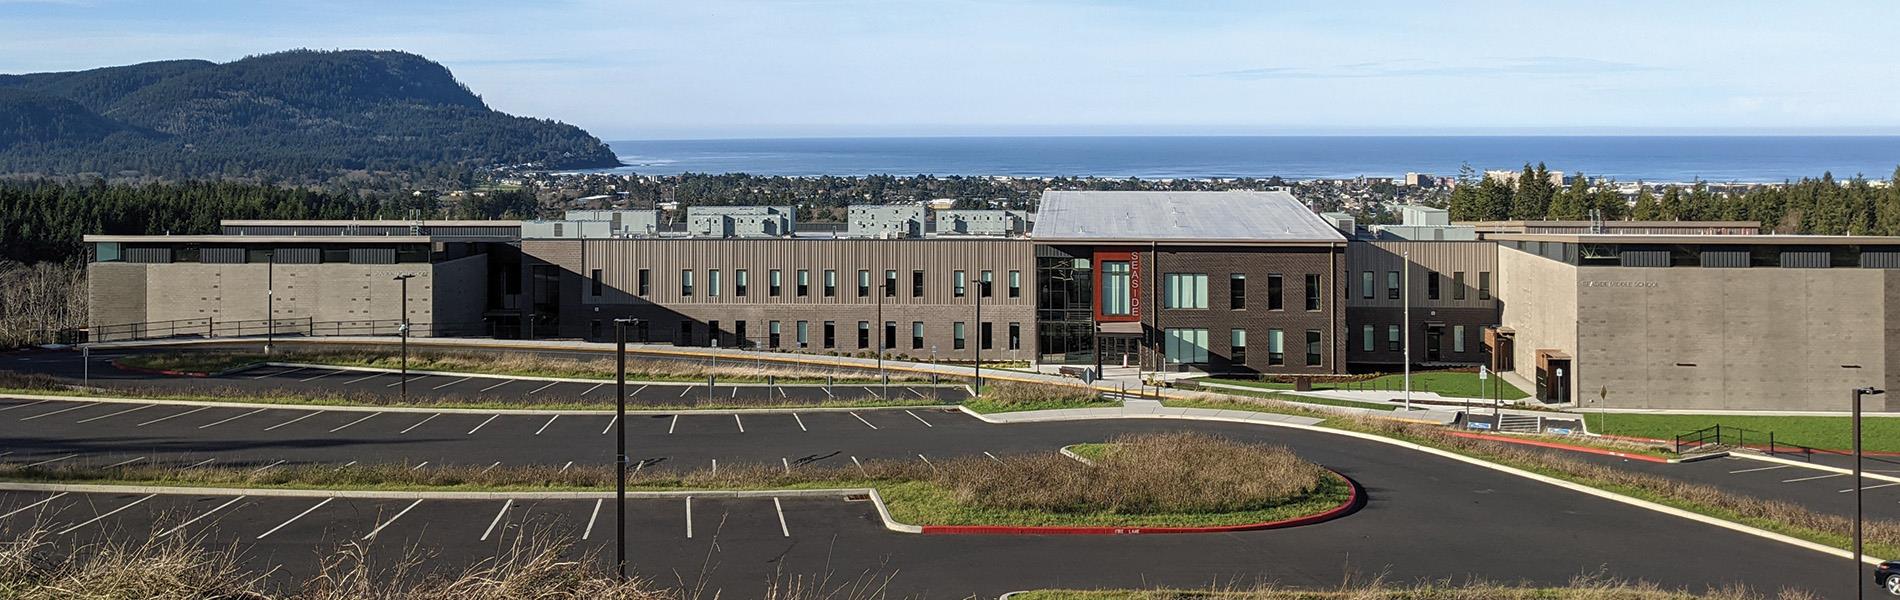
(513, 363)
(1013, 396)
(1143, 474)
(1580, 588)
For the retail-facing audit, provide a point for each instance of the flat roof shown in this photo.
(1705, 240)
(1178, 217)
(263, 239)
(368, 222)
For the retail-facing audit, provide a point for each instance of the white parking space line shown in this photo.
(199, 517)
(361, 379)
(1759, 469)
(788, 464)
(933, 466)
(491, 418)
(736, 421)
(801, 422)
(781, 393)
(676, 423)
(566, 466)
(294, 519)
(1870, 487)
(591, 389)
(503, 382)
(735, 391)
(379, 528)
(684, 391)
(591, 517)
(170, 417)
(919, 419)
(544, 426)
(419, 465)
(854, 460)
(310, 379)
(491, 466)
(828, 393)
(689, 517)
(276, 373)
(124, 462)
(538, 390)
(63, 410)
(200, 463)
(782, 528)
(305, 416)
(636, 391)
(24, 405)
(498, 515)
(227, 420)
(610, 424)
(419, 423)
(33, 505)
(345, 425)
(1813, 478)
(346, 465)
(451, 383)
(873, 392)
(104, 515)
(133, 409)
(399, 379)
(992, 456)
(267, 467)
(914, 391)
(49, 461)
(861, 420)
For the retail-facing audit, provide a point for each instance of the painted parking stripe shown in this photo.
(919, 419)
(636, 391)
(168, 418)
(685, 390)
(31, 506)
(197, 518)
(124, 462)
(451, 383)
(801, 422)
(591, 389)
(412, 378)
(310, 379)
(933, 466)
(735, 391)
(379, 528)
(503, 382)
(565, 467)
(861, 420)
(689, 517)
(419, 465)
(591, 517)
(1759, 469)
(544, 426)
(782, 528)
(49, 461)
(200, 463)
(294, 519)
(736, 421)
(610, 424)
(361, 379)
(676, 423)
(345, 425)
(914, 391)
(267, 467)
(549, 385)
(221, 422)
(48, 414)
(24, 405)
(484, 423)
(1871, 487)
(854, 460)
(992, 456)
(419, 423)
(870, 391)
(305, 416)
(491, 466)
(133, 409)
(103, 516)
(276, 373)
(1812, 478)
(498, 515)
(827, 390)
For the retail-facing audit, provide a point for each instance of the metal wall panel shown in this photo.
(148, 255)
(1806, 259)
(222, 256)
(1447, 258)
(298, 256)
(1725, 259)
(1643, 258)
(1880, 259)
(372, 256)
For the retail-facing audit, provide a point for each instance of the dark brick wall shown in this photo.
(1293, 264)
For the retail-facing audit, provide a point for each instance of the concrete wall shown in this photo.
(132, 293)
(1537, 297)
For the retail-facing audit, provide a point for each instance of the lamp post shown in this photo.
(1859, 589)
(270, 301)
(402, 329)
(982, 287)
(1405, 295)
(882, 289)
(620, 440)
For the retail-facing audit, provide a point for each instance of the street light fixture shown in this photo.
(1406, 295)
(1859, 589)
(620, 439)
(402, 329)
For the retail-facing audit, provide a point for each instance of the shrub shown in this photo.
(1142, 474)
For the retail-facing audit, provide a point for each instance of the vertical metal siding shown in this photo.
(222, 256)
(372, 256)
(1644, 258)
(1725, 259)
(1880, 259)
(148, 255)
(1443, 257)
(1805, 259)
(298, 256)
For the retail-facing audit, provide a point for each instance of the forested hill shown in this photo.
(302, 114)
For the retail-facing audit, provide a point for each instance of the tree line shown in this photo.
(1820, 206)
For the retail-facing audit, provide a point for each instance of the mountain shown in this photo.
(298, 114)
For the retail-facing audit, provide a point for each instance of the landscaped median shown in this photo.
(505, 364)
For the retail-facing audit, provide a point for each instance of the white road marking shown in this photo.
(544, 426)
(676, 423)
(347, 465)
(854, 460)
(63, 410)
(491, 467)
(340, 427)
(639, 465)
(715, 466)
(124, 463)
(873, 392)
(419, 423)
(305, 416)
(564, 467)
(801, 422)
(24, 405)
(538, 390)
(1871, 487)
(610, 424)
(741, 424)
(372, 376)
(230, 419)
(276, 373)
(451, 383)
(919, 419)
(861, 420)
(30, 506)
(828, 393)
(167, 418)
(1759, 469)
(263, 468)
(498, 515)
(379, 528)
(49, 461)
(933, 467)
(787, 463)
(200, 463)
(735, 391)
(484, 423)
(585, 533)
(137, 408)
(1812, 478)
(419, 465)
(503, 382)
(310, 379)
(107, 514)
(781, 518)
(914, 391)
(591, 389)
(197, 518)
(636, 391)
(781, 392)
(294, 519)
(400, 380)
(689, 517)
(683, 391)
(992, 456)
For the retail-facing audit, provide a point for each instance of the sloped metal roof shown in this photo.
(1179, 216)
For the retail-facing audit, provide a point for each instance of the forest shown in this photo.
(1819, 205)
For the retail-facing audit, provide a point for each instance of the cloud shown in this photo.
(1527, 66)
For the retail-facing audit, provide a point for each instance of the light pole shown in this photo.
(983, 287)
(402, 329)
(270, 301)
(882, 289)
(620, 439)
(1405, 295)
(1859, 589)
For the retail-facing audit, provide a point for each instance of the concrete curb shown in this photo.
(1562, 446)
(1354, 500)
(20, 486)
(1809, 465)
(464, 410)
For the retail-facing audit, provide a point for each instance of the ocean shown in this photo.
(1623, 158)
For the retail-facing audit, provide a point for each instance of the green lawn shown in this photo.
(1444, 383)
(1881, 434)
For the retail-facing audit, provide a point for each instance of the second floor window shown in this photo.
(957, 283)
(1184, 290)
(831, 283)
(1312, 292)
(1115, 288)
(742, 284)
(686, 282)
(775, 283)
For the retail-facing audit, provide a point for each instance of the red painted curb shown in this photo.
(1353, 500)
(1558, 446)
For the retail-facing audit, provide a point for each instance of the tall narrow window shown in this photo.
(956, 283)
(741, 283)
(1431, 285)
(1392, 285)
(804, 333)
(1184, 290)
(1484, 285)
(890, 334)
(1237, 291)
(772, 333)
(916, 284)
(831, 283)
(956, 335)
(774, 283)
(1274, 291)
(1115, 288)
(712, 283)
(1312, 291)
(916, 335)
(1015, 284)
(804, 283)
(983, 285)
(597, 283)
(686, 282)
(864, 283)
(1392, 338)
(1313, 358)
(1458, 338)
(983, 339)
(1237, 347)
(646, 282)
(1458, 285)
(738, 334)
(890, 284)
(686, 334)
(864, 334)
(1276, 347)
(1365, 285)
(1015, 336)
(1367, 339)
(831, 334)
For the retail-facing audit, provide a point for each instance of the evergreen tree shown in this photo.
(1646, 208)
(1573, 202)
(1463, 205)
(1887, 207)
(1609, 203)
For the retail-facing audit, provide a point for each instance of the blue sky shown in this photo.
(730, 68)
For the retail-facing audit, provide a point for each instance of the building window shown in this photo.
(916, 335)
(712, 283)
(742, 283)
(956, 335)
(1365, 285)
(1312, 291)
(1431, 285)
(1015, 336)
(1185, 346)
(686, 282)
(890, 284)
(1484, 285)
(686, 334)
(1367, 339)
(1392, 338)
(1276, 347)
(1237, 347)
(804, 283)
(983, 339)
(1015, 284)
(831, 283)
(738, 333)
(831, 334)
(1392, 285)
(988, 281)
(1237, 291)
(1185, 290)
(916, 284)
(890, 334)
(597, 282)
(1313, 358)
(864, 334)
(1458, 285)
(1275, 289)
(804, 333)
(864, 283)
(956, 284)
(774, 283)
(1115, 288)
(1458, 339)
(646, 282)
(772, 334)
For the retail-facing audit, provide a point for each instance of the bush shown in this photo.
(1142, 474)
